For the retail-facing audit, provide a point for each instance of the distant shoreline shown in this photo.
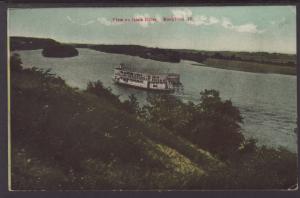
(247, 67)
(256, 62)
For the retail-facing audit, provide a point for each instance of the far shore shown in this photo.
(247, 66)
(257, 62)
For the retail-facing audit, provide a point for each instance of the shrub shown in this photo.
(212, 124)
(132, 105)
(98, 89)
(216, 125)
(15, 63)
(168, 111)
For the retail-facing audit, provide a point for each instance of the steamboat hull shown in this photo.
(125, 84)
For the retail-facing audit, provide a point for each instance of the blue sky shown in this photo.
(234, 28)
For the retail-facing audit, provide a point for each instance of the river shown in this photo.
(268, 102)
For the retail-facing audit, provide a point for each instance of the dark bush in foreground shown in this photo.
(212, 124)
(15, 63)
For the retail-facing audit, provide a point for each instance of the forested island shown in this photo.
(50, 47)
(58, 50)
(259, 62)
(63, 138)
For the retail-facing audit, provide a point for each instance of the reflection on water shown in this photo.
(267, 101)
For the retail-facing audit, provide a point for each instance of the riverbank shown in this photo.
(247, 66)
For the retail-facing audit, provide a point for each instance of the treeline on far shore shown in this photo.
(165, 55)
(50, 47)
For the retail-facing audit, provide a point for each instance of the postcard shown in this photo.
(153, 98)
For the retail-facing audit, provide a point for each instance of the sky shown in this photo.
(232, 28)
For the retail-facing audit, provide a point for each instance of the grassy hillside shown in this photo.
(262, 57)
(248, 66)
(64, 138)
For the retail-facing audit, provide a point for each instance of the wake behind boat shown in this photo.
(159, 82)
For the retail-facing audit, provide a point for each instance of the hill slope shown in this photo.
(63, 138)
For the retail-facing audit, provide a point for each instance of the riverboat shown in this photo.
(145, 80)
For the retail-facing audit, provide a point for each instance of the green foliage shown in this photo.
(15, 63)
(264, 168)
(98, 89)
(64, 129)
(212, 124)
(131, 105)
(168, 111)
(29, 171)
(217, 128)
(29, 43)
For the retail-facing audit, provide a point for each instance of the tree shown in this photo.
(131, 105)
(216, 126)
(98, 89)
(167, 111)
(15, 63)
(218, 55)
(212, 124)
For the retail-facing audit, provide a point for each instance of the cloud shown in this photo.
(101, 20)
(82, 24)
(182, 13)
(280, 22)
(185, 14)
(70, 19)
(203, 20)
(245, 28)
(199, 20)
(293, 9)
(88, 22)
(105, 21)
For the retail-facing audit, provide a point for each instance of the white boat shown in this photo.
(159, 82)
